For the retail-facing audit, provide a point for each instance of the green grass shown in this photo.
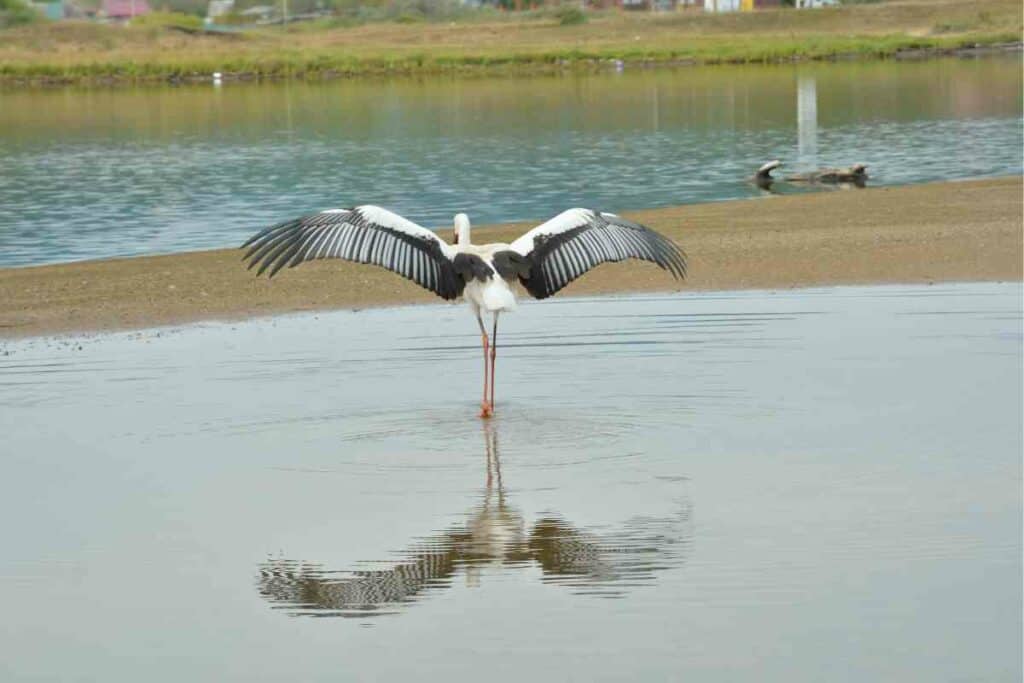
(172, 20)
(169, 47)
(326, 65)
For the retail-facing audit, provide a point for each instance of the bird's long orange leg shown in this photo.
(494, 355)
(486, 410)
(485, 407)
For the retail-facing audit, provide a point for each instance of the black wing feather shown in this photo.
(558, 258)
(353, 236)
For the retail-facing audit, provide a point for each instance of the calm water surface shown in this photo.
(812, 485)
(97, 173)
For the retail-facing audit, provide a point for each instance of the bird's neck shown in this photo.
(462, 236)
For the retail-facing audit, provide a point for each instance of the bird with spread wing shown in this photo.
(543, 260)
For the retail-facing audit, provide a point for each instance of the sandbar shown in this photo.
(937, 232)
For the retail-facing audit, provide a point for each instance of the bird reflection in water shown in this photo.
(605, 564)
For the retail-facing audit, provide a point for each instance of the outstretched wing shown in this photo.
(364, 234)
(611, 561)
(574, 241)
(312, 589)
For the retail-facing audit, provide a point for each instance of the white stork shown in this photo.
(544, 260)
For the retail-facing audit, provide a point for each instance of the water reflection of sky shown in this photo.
(766, 482)
(112, 172)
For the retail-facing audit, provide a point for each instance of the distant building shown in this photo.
(50, 10)
(739, 5)
(707, 5)
(123, 10)
(217, 9)
(75, 10)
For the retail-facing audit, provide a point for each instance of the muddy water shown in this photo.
(809, 485)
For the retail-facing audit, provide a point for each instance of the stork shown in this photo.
(544, 260)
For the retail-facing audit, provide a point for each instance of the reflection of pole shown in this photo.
(654, 108)
(288, 107)
(807, 119)
(284, 12)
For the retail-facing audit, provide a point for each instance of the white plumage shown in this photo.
(543, 261)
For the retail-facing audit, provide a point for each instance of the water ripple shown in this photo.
(156, 171)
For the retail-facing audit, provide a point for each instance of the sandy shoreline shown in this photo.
(953, 231)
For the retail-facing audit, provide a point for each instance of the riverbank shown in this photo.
(952, 231)
(81, 53)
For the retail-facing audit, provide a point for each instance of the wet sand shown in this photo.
(953, 231)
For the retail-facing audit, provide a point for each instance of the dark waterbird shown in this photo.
(763, 176)
(856, 174)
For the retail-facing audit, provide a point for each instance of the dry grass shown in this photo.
(71, 51)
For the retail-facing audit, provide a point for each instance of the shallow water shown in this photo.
(803, 485)
(99, 173)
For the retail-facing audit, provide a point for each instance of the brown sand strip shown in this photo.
(954, 231)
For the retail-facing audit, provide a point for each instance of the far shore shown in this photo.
(947, 231)
(174, 48)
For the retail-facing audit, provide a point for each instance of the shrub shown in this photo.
(570, 16)
(14, 12)
(189, 22)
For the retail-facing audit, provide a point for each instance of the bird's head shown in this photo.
(461, 232)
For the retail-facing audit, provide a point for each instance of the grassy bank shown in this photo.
(70, 52)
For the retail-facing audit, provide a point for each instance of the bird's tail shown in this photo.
(498, 296)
